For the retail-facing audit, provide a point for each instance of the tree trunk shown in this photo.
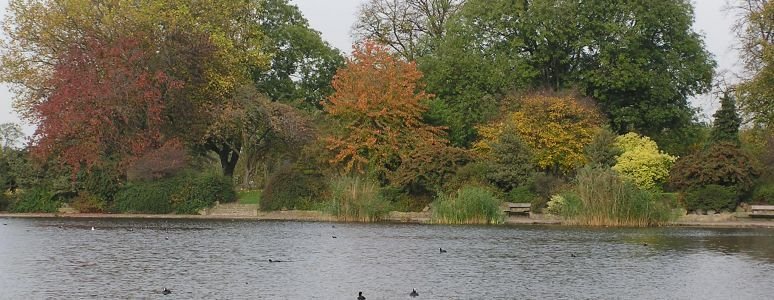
(228, 160)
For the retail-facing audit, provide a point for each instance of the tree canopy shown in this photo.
(640, 62)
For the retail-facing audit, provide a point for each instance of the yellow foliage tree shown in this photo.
(557, 128)
(641, 161)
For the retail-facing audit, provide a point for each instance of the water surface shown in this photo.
(210, 259)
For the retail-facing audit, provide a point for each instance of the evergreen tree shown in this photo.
(727, 121)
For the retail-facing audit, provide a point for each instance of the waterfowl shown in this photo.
(414, 293)
(273, 261)
(166, 291)
(572, 254)
(334, 236)
(92, 227)
(442, 251)
(360, 296)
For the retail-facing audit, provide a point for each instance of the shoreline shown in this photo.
(393, 217)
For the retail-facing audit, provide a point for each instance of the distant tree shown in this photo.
(727, 121)
(755, 30)
(378, 104)
(10, 136)
(620, 53)
(302, 64)
(403, 25)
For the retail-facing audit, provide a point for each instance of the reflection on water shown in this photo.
(201, 259)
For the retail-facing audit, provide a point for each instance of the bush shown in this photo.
(764, 194)
(713, 196)
(469, 205)
(5, 201)
(544, 186)
(602, 150)
(357, 199)
(641, 161)
(201, 191)
(473, 173)
(511, 161)
(35, 201)
(567, 204)
(425, 169)
(86, 202)
(103, 183)
(606, 199)
(146, 197)
(721, 164)
(288, 187)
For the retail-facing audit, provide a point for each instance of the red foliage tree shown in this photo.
(105, 103)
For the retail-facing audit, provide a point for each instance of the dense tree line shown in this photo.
(515, 96)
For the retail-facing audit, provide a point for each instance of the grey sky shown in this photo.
(334, 19)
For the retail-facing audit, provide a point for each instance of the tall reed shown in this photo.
(469, 205)
(357, 199)
(607, 200)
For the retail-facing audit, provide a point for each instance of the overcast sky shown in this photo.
(334, 19)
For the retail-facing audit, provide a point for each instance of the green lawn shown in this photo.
(249, 197)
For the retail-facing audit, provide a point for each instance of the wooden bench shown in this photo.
(762, 210)
(516, 208)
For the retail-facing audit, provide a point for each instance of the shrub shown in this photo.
(469, 205)
(35, 201)
(425, 169)
(511, 161)
(86, 202)
(721, 164)
(566, 204)
(201, 191)
(713, 196)
(356, 199)
(5, 201)
(472, 173)
(602, 150)
(103, 183)
(544, 186)
(606, 199)
(641, 161)
(146, 197)
(288, 187)
(764, 194)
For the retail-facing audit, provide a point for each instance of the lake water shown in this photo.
(210, 259)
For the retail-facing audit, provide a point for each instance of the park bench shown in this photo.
(762, 210)
(516, 208)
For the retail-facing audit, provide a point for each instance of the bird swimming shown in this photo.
(273, 261)
(166, 291)
(414, 293)
(442, 251)
(92, 227)
(572, 254)
(360, 296)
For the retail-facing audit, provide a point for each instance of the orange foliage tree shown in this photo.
(378, 103)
